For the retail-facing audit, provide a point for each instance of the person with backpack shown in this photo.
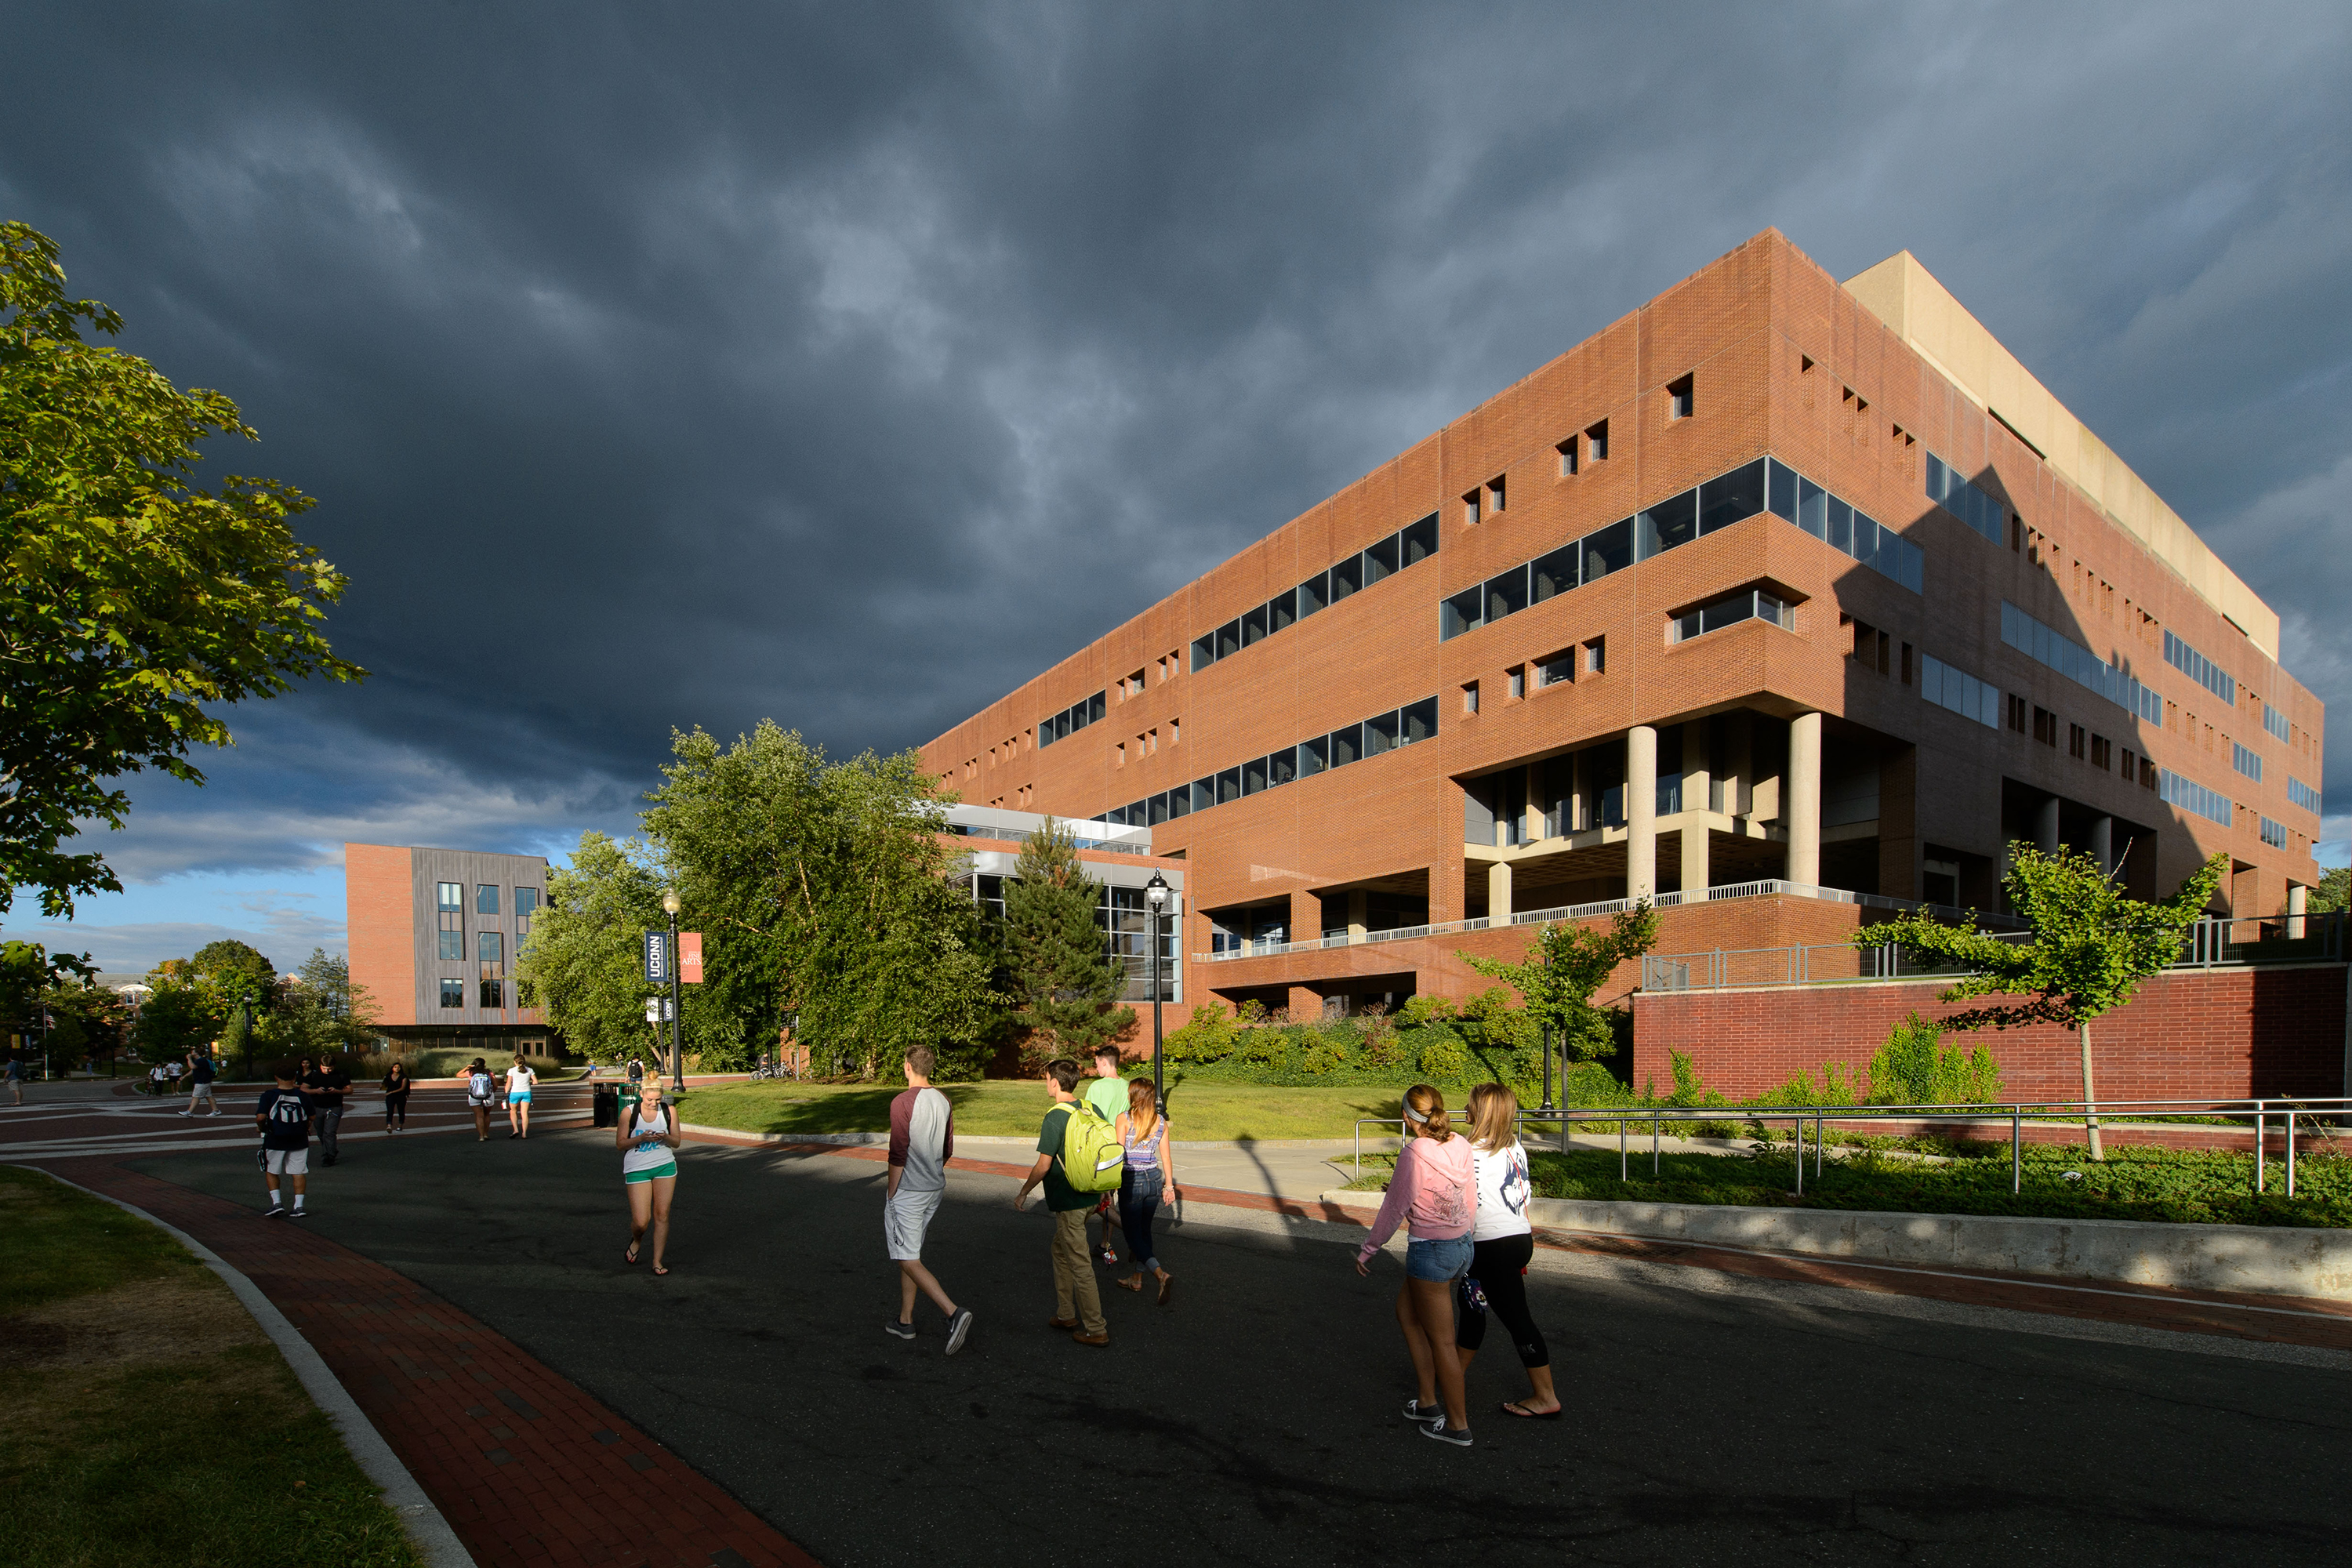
(519, 1078)
(1502, 1245)
(1071, 1138)
(283, 1120)
(1148, 1176)
(1434, 1193)
(481, 1093)
(648, 1138)
(1107, 1094)
(923, 1142)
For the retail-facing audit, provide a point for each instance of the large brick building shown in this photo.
(433, 934)
(1774, 588)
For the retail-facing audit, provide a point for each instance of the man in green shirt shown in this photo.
(1078, 1303)
(1107, 1092)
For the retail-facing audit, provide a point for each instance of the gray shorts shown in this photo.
(203, 1091)
(285, 1161)
(905, 1216)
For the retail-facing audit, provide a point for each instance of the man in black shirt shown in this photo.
(283, 1119)
(331, 1088)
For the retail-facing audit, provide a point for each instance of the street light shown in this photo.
(1155, 895)
(677, 1058)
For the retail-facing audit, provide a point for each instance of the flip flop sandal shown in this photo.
(630, 1257)
(1167, 1288)
(1512, 1407)
(659, 1269)
(1135, 1284)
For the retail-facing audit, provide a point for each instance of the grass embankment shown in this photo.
(2134, 1183)
(1206, 1111)
(144, 1418)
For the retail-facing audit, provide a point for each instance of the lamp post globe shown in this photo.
(1155, 895)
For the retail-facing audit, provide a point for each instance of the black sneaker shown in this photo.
(276, 1211)
(903, 1331)
(958, 1327)
(1445, 1434)
(297, 1214)
(1416, 1412)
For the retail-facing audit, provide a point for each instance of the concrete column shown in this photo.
(2103, 843)
(1696, 774)
(1739, 764)
(1695, 856)
(1498, 893)
(1640, 812)
(1531, 794)
(1801, 804)
(1356, 918)
(1579, 810)
(2045, 826)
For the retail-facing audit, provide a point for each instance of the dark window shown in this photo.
(2045, 726)
(1311, 595)
(1470, 698)
(1417, 542)
(1555, 573)
(1608, 549)
(1253, 776)
(1782, 493)
(1841, 526)
(1115, 817)
(453, 946)
(1278, 612)
(1347, 744)
(1180, 802)
(1731, 498)
(1254, 626)
(1229, 640)
(2078, 741)
(1507, 595)
(1470, 506)
(486, 898)
(453, 993)
(1204, 794)
(452, 896)
(493, 991)
(1156, 810)
(1518, 680)
(1494, 493)
(1347, 577)
(1096, 708)
(1812, 508)
(1558, 669)
(1229, 785)
(1865, 539)
(1466, 612)
(1596, 441)
(1417, 721)
(1380, 561)
(1313, 756)
(526, 906)
(1596, 656)
(1281, 766)
(2016, 707)
(1678, 399)
(1671, 522)
(1204, 652)
(1566, 457)
(1379, 734)
(2102, 754)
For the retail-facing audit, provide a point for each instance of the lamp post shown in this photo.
(1547, 1051)
(677, 1057)
(1155, 895)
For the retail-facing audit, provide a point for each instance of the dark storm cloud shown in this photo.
(849, 365)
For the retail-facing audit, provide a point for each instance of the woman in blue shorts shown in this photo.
(519, 1078)
(647, 1137)
(1435, 1195)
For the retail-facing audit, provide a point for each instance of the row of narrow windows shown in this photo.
(1406, 726)
(1408, 546)
(1074, 718)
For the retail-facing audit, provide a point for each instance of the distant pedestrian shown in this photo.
(1503, 1244)
(1149, 1180)
(1435, 1193)
(481, 1093)
(200, 1084)
(519, 1079)
(648, 1138)
(283, 1119)
(1078, 1304)
(923, 1142)
(15, 1080)
(327, 1111)
(1107, 1094)
(397, 1085)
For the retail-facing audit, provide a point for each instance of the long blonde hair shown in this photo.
(1142, 1107)
(1494, 1116)
(1424, 1108)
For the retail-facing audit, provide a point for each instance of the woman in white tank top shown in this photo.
(647, 1137)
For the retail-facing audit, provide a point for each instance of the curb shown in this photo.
(435, 1540)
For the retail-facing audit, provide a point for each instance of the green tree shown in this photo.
(2330, 897)
(583, 959)
(2090, 947)
(1564, 966)
(184, 1012)
(90, 1019)
(1059, 955)
(318, 1012)
(26, 969)
(135, 601)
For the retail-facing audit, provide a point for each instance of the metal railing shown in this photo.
(2208, 944)
(1768, 887)
(2262, 1115)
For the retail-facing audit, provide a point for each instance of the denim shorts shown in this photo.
(1437, 1260)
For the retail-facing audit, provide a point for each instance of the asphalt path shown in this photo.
(1256, 1420)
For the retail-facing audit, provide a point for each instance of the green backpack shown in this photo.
(1092, 1160)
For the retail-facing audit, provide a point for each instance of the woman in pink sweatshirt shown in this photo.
(1435, 1194)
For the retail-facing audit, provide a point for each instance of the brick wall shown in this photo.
(2191, 1034)
(380, 903)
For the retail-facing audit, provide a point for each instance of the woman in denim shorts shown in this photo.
(1434, 1193)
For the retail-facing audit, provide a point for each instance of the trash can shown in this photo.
(607, 1102)
(627, 1101)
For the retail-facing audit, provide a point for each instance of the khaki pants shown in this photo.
(1074, 1273)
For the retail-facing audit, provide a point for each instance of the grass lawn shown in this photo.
(1207, 1112)
(144, 1418)
(2136, 1182)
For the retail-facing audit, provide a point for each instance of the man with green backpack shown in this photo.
(1079, 1158)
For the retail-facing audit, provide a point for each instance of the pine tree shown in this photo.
(1059, 959)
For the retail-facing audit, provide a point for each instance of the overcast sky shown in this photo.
(662, 367)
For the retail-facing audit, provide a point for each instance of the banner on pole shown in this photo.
(657, 965)
(689, 957)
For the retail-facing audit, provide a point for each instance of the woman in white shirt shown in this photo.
(1502, 1245)
(519, 1078)
(647, 1137)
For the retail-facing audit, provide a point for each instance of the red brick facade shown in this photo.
(379, 915)
(2230, 1034)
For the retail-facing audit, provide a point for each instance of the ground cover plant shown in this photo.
(144, 1419)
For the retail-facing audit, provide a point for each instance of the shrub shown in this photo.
(1326, 1054)
(1383, 1048)
(1209, 1038)
(1444, 1058)
(1263, 1047)
(1420, 1011)
(1914, 1068)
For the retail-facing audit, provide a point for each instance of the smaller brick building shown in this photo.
(434, 938)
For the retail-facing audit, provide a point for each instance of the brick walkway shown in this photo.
(528, 1470)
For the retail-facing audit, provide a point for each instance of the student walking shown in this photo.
(481, 1093)
(1107, 1095)
(923, 1142)
(15, 1080)
(1502, 1245)
(327, 1112)
(647, 1137)
(1150, 1177)
(283, 1120)
(1078, 1304)
(397, 1085)
(1434, 1191)
(200, 1084)
(519, 1078)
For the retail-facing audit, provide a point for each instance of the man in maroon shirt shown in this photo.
(923, 1142)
